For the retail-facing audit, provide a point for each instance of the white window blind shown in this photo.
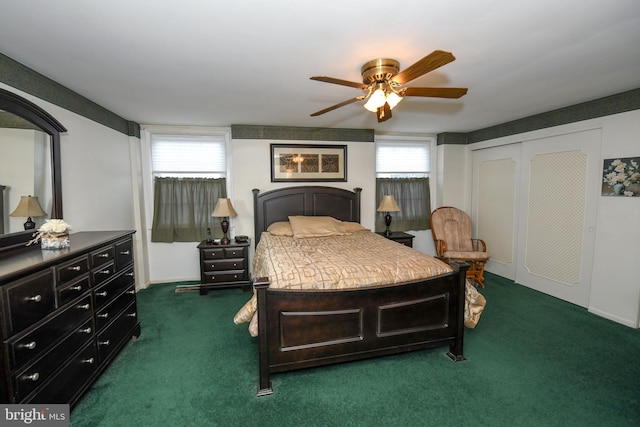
(188, 156)
(402, 158)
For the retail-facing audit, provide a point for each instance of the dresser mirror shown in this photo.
(29, 165)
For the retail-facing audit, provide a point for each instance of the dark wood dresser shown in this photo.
(224, 266)
(65, 315)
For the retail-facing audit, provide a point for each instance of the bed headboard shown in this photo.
(276, 205)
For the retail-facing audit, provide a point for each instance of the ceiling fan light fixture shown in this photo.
(376, 100)
(393, 99)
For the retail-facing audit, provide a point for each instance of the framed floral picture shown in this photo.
(302, 162)
(621, 177)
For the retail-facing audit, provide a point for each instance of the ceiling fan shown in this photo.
(384, 84)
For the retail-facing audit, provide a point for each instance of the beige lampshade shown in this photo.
(224, 209)
(28, 207)
(388, 204)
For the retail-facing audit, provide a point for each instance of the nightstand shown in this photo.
(224, 266)
(400, 237)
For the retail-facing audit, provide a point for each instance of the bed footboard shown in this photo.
(301, 329)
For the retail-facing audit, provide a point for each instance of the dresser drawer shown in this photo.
(26, 347)
(67, 383)
(119, 330)
(103, 273)
(225, 276)
(102, 256)
(224, 264)
(73, 290)
(106, 292)
(113, 309)
(71, 270)
(38, 372)
(29, 300)
(124, 253)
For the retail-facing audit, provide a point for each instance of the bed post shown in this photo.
(456, 347)
(261, 284)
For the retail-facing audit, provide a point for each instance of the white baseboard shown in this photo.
(614, 318)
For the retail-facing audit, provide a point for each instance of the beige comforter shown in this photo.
(361, 259)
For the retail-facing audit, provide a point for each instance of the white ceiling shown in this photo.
(217, 63)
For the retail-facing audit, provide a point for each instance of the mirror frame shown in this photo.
(19, 106)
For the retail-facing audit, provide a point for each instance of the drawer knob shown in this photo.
(85, 330)
(130, 314)
(101, 294)
(89, 361)
(36, 298)
(75, 268)
(130, 274)
(235, 265)
(29, 346)
(104, 271)
(103, 255)
(105, 343)
(33, 377)
(103, 315)
(125, 253)
(84, 306)
(75, 288)
(131, 292)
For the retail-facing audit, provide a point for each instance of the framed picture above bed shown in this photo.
(308, 162)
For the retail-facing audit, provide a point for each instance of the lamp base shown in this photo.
(387, 221)
(29, 224)
(224, 224)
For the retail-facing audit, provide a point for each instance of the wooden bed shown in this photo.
(301, 329)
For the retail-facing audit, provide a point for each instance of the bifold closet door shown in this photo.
(559, 187)
(496, 174)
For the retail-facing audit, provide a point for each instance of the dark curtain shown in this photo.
(413, 198)
(182, 208)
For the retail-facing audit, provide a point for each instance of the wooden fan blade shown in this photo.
(339, 82)
(435, 59)
(333, 107)
(436, 92)
(384, 113)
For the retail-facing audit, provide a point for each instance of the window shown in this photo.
(402, 169)
(189, 175)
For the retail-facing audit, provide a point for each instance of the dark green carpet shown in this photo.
(532, 361)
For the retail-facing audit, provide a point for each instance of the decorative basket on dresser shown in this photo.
(66, 314)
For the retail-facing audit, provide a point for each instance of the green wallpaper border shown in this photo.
(27, 80)
(301, 133)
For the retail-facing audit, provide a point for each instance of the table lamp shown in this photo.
(28, 207)
(224, 210)
(388, 204)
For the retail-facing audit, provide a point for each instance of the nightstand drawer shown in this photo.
(213, 253)
(224, 264)
(225, 276)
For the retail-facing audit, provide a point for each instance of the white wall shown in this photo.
(615, 287)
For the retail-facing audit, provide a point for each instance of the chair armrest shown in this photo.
(479, 245)
(441, 247)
